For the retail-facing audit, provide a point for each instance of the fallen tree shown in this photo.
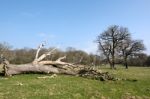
(39, 65)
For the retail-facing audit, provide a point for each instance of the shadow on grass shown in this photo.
(42, 73)
(1, 74)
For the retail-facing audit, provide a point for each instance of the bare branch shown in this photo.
(46, 54)
(79, 61)
(38, 50)
(54, 63)
(110, 40)
(61, 58)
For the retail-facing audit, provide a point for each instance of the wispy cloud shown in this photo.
(46, 35)
(27, 14)
(90, 47)
(42, 34)
(30, 14)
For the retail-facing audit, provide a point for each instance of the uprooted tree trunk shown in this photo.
(57, 67)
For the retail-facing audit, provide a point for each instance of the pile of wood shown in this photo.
(39, 65)
(94, 74)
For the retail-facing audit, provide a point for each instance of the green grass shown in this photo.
(69, 87)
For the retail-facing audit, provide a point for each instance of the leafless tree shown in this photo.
(130, 47)
(5, 51)
(109, 40)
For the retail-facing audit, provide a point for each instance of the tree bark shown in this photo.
(110, 63)
(78, 70)
(125, 62)
(113, 51)
(27, 68)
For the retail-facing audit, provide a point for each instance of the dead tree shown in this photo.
(39, 65)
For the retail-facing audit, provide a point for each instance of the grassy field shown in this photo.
(28, 86)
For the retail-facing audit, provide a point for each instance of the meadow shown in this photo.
(135, 85)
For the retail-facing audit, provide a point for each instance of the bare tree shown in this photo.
(5, 50)
(109, 40)
(22, 56)
(130, 47)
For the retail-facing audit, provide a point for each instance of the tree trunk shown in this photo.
(113, 62)
(78, 70)
(27, 68)
(113, 52)
(125, 62)
(110, 63)
(113, 57)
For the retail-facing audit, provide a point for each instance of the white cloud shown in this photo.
(89, 47)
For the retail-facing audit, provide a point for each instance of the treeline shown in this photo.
(27, 55)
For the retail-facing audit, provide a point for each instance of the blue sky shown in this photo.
(70, 23)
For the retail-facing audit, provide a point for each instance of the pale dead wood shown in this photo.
(38, 50)
(45, 55)
(53, 63)
(61, 58)
(39, 65)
